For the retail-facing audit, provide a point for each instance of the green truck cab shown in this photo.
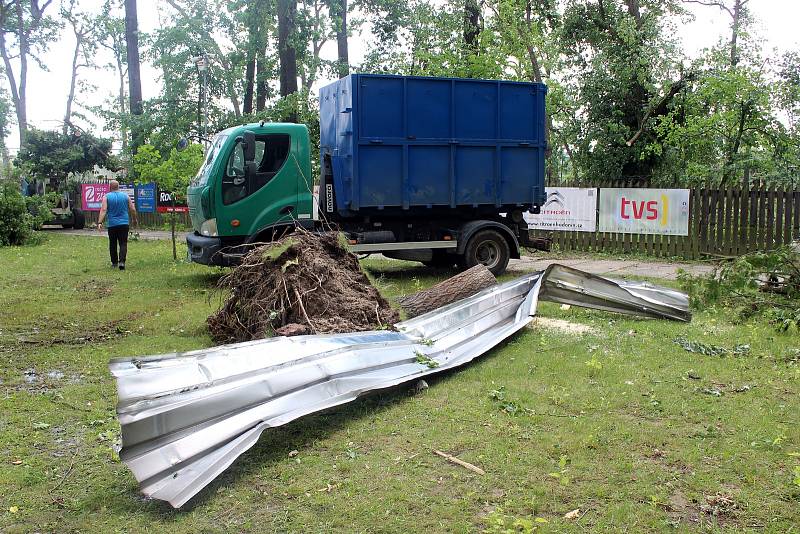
(233, 202)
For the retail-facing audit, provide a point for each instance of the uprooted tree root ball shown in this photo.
(302, 284)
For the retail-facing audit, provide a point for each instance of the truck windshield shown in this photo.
(205, 171)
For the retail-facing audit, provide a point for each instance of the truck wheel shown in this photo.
(80, 219)
(489, 248)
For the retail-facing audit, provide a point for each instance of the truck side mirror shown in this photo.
(249, 146)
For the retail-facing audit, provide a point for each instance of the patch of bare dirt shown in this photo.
(309, 281)
(719, 509)
(563, 326)
(94, 289)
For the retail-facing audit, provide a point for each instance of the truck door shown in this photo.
(267, 197)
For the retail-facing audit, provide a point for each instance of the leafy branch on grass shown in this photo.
(500, 523)
(765, 284)
(711, 350)
(506, 405)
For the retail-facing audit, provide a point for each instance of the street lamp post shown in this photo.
(201, 62)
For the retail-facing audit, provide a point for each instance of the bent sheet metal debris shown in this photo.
(186, 417)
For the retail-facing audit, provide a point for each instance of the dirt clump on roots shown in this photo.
(302, 284)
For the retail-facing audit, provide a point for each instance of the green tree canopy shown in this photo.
(48, 154)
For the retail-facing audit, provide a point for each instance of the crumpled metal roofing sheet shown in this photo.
(186, 417)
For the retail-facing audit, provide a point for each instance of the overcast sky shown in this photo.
(47, 91)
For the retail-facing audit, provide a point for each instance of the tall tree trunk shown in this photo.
(132, 44)
(738, 5)
(745, 109)
(287, 54)
(123, 131)
(71, 97)
(472, 20)
(338, 10)
(19, 103)
(249, 80)
(22, 30)
(24, 50)
(262, 74)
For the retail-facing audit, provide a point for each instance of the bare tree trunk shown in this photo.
(744, 113)
(287, 54)
(22, 30)
(458, 287)
(262, 75)
(121, 103)
(71, 97)
(472, 21)
(24, 49)
(19, 108)
(249, 80)
(737, 13)
(341, 43)
(132, 44)
(338, 11)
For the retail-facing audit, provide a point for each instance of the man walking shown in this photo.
(117, 205)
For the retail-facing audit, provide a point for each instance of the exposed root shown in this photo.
(302, 279)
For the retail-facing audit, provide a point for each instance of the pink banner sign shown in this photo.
(92, 196)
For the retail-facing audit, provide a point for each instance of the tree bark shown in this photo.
(23, 31)
(456, 288)
(737, 13)
(24, 48)
(262, 74)
(338, 10)
(123, 131)
(745, 110)
(132, 43)
(249, 80)
(287, 53)
(472, 21)
(71, 95)
(80, 36)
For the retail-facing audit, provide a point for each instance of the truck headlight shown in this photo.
(209, 228)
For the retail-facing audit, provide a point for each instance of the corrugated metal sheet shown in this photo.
(186, 417)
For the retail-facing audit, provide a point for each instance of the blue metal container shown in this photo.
(414, 143)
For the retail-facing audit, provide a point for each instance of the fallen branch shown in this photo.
(452, 459)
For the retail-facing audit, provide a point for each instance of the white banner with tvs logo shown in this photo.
(566, 208)
(644, 211)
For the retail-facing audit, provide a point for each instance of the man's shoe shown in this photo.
(113, 265)
(121, 266)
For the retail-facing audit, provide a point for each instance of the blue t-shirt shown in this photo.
(117, 203)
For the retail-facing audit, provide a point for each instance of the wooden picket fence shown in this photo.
(722, 222)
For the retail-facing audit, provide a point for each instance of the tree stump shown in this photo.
(456, 288)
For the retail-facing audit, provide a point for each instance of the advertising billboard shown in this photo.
(165, 204)
(92, 196)
(644, 211)
(146, 198)
(566, 208)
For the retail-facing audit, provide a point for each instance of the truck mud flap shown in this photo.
(186, 417)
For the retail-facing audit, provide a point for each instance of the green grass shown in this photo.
(609, 423)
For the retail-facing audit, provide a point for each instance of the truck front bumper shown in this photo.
(208, 251)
